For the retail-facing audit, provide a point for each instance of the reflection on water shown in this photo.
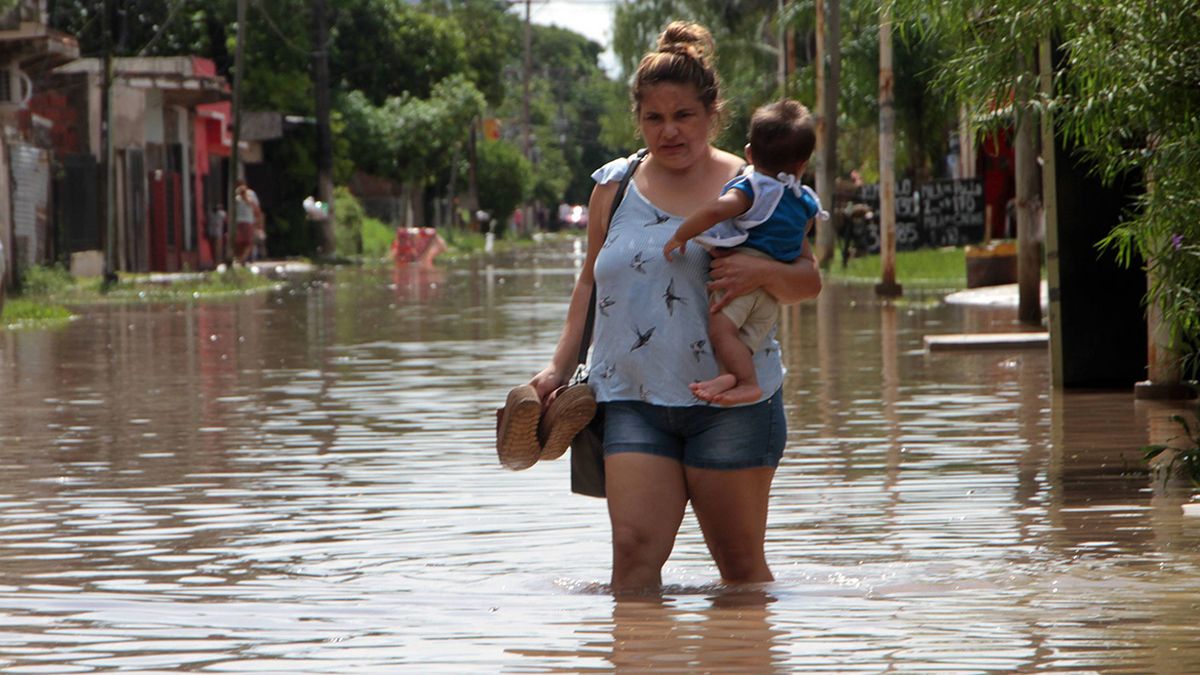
(304, 481)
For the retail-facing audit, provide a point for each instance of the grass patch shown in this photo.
(26, 313)
(461, 243)
(376, 238)
(46, 292)
(42, 282)
(146, 287)
(941, 267)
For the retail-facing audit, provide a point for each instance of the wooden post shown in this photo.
(526, 134)
(106, 143)
(887, 285)
(966, 144)
(320, 56)
(239, 62)
(829, 65)
(1050, 210)
(1029, 263)
(781, 64)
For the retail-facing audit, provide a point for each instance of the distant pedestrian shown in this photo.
(248, 216)
(214, 228)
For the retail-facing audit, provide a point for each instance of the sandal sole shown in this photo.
(570, 412)
(516, 441)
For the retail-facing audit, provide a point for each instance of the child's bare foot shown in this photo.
(710, 389)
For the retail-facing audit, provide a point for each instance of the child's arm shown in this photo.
(732, 203)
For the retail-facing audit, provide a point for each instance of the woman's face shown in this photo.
(675, 124)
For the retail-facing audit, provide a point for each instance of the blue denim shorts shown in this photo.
(703, 437)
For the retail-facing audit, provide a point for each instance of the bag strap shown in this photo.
(586, 342)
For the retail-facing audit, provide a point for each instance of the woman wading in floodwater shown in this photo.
(662, 446)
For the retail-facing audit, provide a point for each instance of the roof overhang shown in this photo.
(176, 77)
(37, 48)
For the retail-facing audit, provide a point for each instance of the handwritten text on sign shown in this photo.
(952, 212)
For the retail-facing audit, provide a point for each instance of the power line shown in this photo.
(163, 28)
(278, 33)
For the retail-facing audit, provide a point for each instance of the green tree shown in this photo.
(385, 48)
(505, 180)
(494, 40)
(1127, 100)
(409, 139)
(746, 50)
(149, 27)
(1131, 99)
(569, 94)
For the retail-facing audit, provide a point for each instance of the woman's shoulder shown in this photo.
(613, 171)
(730, 163)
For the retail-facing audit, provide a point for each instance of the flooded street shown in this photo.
(305, 481)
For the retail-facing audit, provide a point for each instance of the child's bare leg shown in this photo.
(737, 382)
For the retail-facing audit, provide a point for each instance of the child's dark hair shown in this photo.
(781, 134)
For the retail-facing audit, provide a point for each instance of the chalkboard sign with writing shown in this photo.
(937, 213)
(908, 217)
(952, 212)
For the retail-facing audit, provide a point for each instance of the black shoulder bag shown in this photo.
(587, 448)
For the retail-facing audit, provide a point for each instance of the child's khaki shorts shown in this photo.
(754, 313)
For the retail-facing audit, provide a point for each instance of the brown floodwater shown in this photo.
(305, 481)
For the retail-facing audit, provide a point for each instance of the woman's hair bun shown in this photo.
(685, 37)
(686, 54)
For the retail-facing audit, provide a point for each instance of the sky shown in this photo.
(591, 18)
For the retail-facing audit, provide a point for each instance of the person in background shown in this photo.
(214, 228)
(247, 215)
(260, 236)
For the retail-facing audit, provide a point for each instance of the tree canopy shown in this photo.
(1125, 94)
(408, 138)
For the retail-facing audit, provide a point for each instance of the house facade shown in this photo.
(170, 143)
(28, 51)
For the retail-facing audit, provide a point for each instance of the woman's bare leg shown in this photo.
(646, 501)
(732, 509)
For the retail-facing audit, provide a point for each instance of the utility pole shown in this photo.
(781, 65)
(525, 75)
(324, 136)
(829, 67)
(110, 229)
(527, 67)
(1028, 189)
(887, 285)
(818, 109)
(239, 62)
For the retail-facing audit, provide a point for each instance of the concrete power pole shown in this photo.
(829, 59)
(781, 63)
(106, 138)
(887, 285)
(239, 62)
(320, 56)
(527, 68)
(1028, 188)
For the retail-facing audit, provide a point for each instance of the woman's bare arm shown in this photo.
(566, 353)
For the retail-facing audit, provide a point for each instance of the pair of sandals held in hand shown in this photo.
(528, 429)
